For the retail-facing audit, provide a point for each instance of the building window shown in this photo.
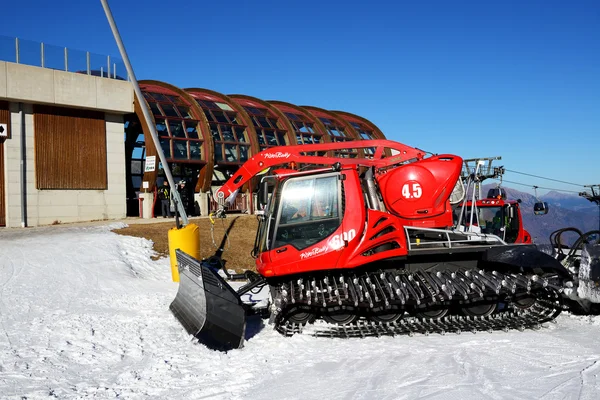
(338, 134)
(177, 130)
(229, 133)
(305, 129)
(365, 134)
(135, 152)
(363, 131)
(70, 149)
(267, 127)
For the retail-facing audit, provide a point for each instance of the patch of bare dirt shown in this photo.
(241, 231)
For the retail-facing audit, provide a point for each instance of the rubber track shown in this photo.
(417, 290)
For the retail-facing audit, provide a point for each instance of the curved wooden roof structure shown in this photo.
(338, 128)
(365, 128)
(233, 133)
(272, 127)
(306, 127)
(211, 132)
(183, 136)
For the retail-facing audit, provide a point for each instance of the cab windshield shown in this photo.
(301, 212)
(308, 210)
(493, 220)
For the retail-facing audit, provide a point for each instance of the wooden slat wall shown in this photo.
(70, 148)
(5, 116)
(4, 119)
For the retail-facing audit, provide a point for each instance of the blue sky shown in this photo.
(517, 79)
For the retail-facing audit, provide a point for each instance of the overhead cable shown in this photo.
(538, 187)
(541, 177)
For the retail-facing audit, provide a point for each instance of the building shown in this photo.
(74, 145)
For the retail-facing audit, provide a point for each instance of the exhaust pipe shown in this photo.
(372, 190)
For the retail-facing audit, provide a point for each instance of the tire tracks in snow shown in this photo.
(587, 389)
(12, 352)
(589, 386)
(14, 273)
(3, 306)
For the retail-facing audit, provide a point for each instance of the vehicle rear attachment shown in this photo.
(582, 260)
(589, 273)
(207, 306)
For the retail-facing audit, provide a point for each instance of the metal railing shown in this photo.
(446, 238)
(39, 54)
(240, 204)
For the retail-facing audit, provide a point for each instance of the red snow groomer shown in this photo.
(359, 246)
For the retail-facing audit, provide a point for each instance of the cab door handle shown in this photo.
(281, 250)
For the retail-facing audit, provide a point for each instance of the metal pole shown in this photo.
(108, 65)
(17, 50)
(66, 60)
(146, 112)
(87, 59)
(42, 51)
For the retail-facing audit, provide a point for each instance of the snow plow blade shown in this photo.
(207, 306)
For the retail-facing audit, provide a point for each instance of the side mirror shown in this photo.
(540, 208)
(511, 212)
(263, 193)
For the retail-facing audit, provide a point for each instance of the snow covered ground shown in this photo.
(84, 313)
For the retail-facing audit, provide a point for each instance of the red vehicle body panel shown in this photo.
(363, 230)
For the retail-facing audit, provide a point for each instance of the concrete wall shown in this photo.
(38, 85)
(12, 167)
(46, 207)
(34, 85)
